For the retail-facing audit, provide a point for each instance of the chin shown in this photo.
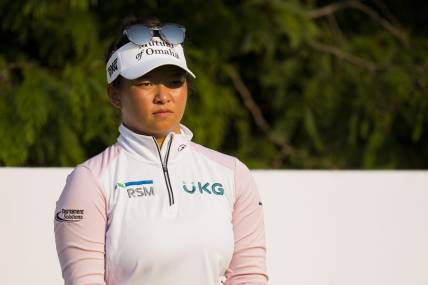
(161, 129)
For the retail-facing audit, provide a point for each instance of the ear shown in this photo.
(114, 96)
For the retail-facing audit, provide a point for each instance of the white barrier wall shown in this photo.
(322, 227)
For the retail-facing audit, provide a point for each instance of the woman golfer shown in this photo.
(156, 208)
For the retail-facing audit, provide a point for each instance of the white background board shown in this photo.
(322, 227)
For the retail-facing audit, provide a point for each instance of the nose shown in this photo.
(162, 94)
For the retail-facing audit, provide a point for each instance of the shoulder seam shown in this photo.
(196, 146)
(99, 188)
(235, 190)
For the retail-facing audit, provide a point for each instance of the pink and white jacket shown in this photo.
(181, 214)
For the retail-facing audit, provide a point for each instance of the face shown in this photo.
(153, 104)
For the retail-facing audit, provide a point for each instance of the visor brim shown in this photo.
(141, 69)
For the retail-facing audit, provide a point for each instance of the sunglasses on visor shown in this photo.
(140, 34)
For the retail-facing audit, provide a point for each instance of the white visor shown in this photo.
(132, 61)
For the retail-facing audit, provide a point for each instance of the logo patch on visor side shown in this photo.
(69, 215)
(112, 67)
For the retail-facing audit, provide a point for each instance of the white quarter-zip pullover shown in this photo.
(181, 214)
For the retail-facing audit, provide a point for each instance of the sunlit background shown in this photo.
(280, 84)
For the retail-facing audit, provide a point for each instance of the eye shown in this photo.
(143, 83)
(177, 81)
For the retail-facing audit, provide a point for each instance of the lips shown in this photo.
(162, 111)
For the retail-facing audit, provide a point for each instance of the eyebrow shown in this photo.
(179, 73)
(176, 73)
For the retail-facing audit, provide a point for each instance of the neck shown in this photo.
(160, 138)
(160, 141)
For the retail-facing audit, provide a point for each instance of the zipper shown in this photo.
(165, 170)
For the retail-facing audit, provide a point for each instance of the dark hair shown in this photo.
(121, 39)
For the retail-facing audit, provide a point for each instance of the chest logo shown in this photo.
(139, 188)
(181, 147)
(204, 188)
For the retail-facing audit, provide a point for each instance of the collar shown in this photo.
(145, 147)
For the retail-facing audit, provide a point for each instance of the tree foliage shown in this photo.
(280, 84)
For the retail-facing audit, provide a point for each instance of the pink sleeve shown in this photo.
(80, 222)
(248, 265)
